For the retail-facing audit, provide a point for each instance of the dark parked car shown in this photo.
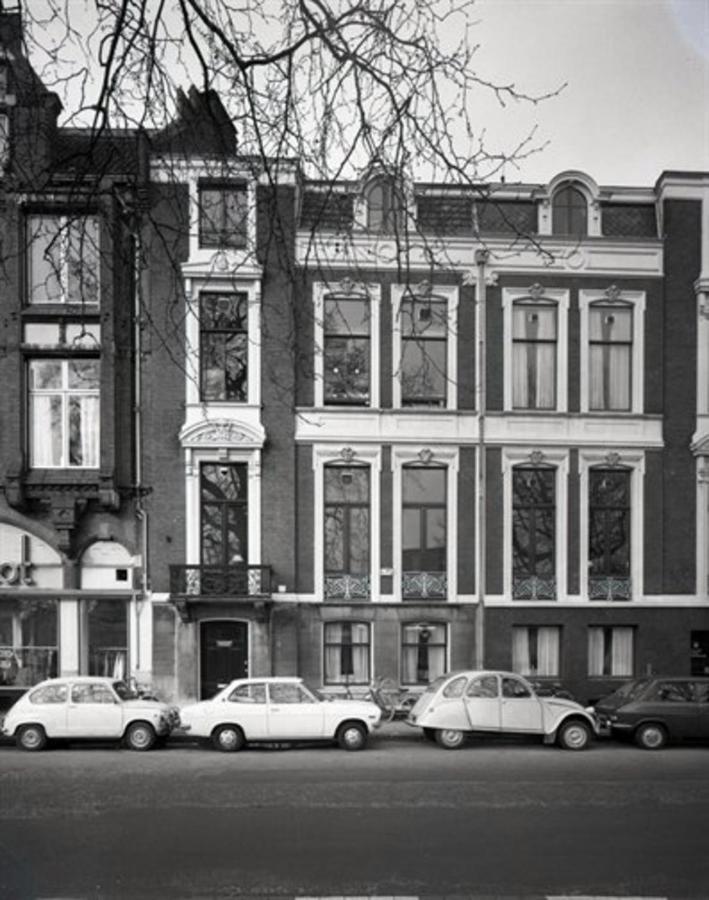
(654, 711)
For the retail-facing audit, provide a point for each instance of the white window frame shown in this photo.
(559, 459)
(194, 457)
(372, 293)
(65, 393)
(195, 287)
(362, 455)
(63, 221)
(526, 629)
(635, 461)
(443, 457)
(560, 298)
(636, 299)
(444, 291)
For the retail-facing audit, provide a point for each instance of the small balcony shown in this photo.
(238, 581)
(609, 587)
(346, 588)
(533, 587)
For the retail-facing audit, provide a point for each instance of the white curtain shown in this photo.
(610, 377)
(46, 431)
(595, 651)
(521, 662)
(548, 651)
(622, 651)
(89, 431)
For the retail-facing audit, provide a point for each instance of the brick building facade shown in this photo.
(242, 415)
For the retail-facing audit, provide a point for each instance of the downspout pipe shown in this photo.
(481, 259)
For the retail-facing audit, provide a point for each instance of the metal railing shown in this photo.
(240, 580)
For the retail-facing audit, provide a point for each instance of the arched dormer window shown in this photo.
(385, 205)
(569, 212)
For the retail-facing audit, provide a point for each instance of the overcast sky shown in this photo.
(637, 98)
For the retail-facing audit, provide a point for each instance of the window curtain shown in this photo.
(90, 431)
(46, 431)
(521, 662)
(346, 653)
(548, 651)
(595, 651)
(622, 651)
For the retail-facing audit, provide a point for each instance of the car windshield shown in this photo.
(631, 689)
(123, 691)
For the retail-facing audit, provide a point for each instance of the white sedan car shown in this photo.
(278, 709)
(498, 702)
(87, 707)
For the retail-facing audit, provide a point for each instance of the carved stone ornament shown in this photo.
(347, 454)
(703, 476)
(221, 432)
(423, 289)
(536, 457)
(425, 455)
(613, 292)
(347, 286)
(613, 458)
(536, 291)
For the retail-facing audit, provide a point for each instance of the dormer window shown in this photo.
(570, 213)
(385, 206)
(223, 215)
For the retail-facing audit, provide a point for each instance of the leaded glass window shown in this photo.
(224, 347)
(424, 351)
(424, 532)
(347, 532)
(609, 533)
(610, 356)
(534, 533)
(346, 333)
(534, 351)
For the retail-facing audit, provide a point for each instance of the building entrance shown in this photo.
(224, 654)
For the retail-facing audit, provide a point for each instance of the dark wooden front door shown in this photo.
(224, 654)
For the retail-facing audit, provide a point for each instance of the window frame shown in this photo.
(65, 393)
(363, 454)
(610, 630)
(403, 645)
(326, 644)
(543, 296)
(533, 630)
(429, 456)
(370, 292)
(449, 293)
(634, 461)
(223, 187)
(65, 219)
(636, 300)
(392, 214)
(205, 333)
(569, 188)
(559, 460)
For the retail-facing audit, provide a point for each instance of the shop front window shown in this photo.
(107, 625)
(28, 642)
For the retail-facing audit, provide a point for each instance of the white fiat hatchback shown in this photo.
(460, 703)
(87, 707)
(278, 710)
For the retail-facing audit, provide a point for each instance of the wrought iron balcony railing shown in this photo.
(238, 580)
(532, 587)
(609, 587)
(424, 586)
(350, 588)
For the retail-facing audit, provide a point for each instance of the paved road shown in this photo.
(403, 818)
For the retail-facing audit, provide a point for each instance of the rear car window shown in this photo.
(672, 692)
(50, 693)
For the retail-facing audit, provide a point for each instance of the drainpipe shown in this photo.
(481, 258)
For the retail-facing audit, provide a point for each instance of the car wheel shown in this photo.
(651, 736)
(140, 736)
(352, 736)
(450, 738)
(32, 738)
(228, 738)
(574, 735)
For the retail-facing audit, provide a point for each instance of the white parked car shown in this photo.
(490, 702)
(278, 709)
(87, 707)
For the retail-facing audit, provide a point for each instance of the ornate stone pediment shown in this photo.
(222, 433)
